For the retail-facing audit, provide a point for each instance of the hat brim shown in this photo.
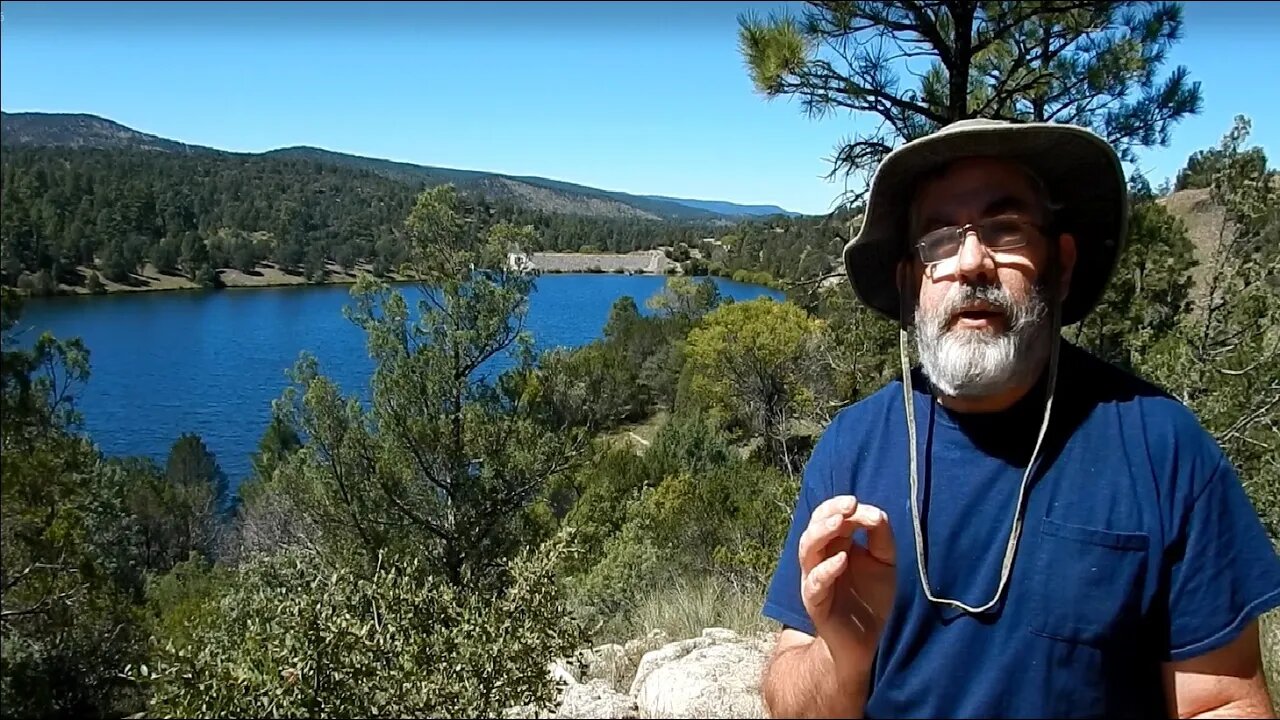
(1081, 172)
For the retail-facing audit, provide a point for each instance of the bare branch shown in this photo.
(816, 281)
(927, 26)
(1235, 430)
(834, 89)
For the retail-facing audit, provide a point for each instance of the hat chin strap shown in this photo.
(908, 400)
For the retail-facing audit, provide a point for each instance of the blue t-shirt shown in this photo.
(1139, 546)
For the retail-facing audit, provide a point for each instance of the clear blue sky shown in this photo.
(646, 98)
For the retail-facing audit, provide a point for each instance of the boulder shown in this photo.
(664, 655)
(723, 635)
(595, 699)
(715, 675)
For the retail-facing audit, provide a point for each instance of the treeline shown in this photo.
(786, 249)
(111, 212)
(115, 210)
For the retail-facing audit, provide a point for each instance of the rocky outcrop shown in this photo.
(712, 676)
(596, 699)
(715, 675)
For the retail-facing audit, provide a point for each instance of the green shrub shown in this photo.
(688, 507)
(175, 600)
(603, 597)
(292, 638)
(67, 543)
(594, 387)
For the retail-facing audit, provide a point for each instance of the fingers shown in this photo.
(837, 518)
(879, 535)
(827, 523)
(818, 586)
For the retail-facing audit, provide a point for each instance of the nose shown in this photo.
(974, 264)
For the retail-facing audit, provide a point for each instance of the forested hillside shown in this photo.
(83, 131)
(68, 213)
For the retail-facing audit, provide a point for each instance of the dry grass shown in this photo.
(681, 609)
(684, 607)
(621, 671)
(148, 279)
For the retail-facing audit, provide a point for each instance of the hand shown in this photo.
(847, 589)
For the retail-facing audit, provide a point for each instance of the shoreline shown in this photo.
(192, 291)
(268, 275)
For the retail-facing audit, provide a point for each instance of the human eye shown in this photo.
(938, 244)
(1005, 230)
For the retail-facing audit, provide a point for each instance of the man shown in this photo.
(1050, 536)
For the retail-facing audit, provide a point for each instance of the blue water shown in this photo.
(166, 363)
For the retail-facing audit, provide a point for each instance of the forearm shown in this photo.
(804, 682)
(1244, 709)
(1256, 704)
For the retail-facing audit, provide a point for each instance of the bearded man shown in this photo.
(1014, 528)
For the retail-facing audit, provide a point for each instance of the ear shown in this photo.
(1066, 263)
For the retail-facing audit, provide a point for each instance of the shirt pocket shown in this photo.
(1087, 582)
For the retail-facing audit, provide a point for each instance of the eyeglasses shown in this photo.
(1002, 232)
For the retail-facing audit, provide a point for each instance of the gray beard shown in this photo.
(966, 363)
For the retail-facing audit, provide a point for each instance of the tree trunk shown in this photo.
(958, 86)
(1038, 105)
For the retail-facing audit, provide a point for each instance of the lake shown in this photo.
(165, 363)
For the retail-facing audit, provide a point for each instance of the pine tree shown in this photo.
(1089, 63)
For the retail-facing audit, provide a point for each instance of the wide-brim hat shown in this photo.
(1080, 171)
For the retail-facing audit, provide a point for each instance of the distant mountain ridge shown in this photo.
(82, 130)
(728, 208)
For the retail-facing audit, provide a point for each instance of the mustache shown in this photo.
(962, 296)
